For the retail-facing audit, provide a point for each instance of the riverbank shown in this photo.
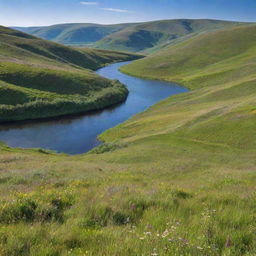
(46, 107)
(41, 79)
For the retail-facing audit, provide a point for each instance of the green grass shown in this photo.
(41, 79)
(177, 179)
(219, 67)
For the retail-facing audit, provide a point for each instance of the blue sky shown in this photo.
(47, 12)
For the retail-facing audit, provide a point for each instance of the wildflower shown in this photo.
(228, 243)
(142, 238)
(149, 226)
(133, 206)
(199, 248)
(165, 234)
(154, 253)
(183, 240)
(148, 233)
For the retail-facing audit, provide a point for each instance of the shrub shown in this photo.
(181, 194)
(98, 217)
(107, 147)
(120, 218)
(31, 210)
(21, 210)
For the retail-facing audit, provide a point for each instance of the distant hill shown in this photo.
(208, 54)
(143, 37)
(157, 34)
(76, 33)
(40, 79)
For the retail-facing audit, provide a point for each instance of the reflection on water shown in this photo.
(78, 133)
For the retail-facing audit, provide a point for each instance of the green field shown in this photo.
(177, 179)
(41, 79)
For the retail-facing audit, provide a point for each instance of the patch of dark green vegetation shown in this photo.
(107, 147)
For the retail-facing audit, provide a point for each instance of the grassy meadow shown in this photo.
(177, 179)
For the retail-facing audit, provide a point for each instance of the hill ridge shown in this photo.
(144, 37)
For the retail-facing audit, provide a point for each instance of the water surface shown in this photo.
(78, 134)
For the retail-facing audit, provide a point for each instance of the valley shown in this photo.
(175, 179)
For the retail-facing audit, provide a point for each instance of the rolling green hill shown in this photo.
(42, 79)
(177, 179)
(143, 37)
(220, 53)
(74, 34)
(151, 36)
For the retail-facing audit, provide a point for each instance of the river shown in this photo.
(77, 134)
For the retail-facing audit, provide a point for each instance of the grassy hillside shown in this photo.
(74, 34)
(215, 54)
(44, 79)
(220, 69)
(151, 36)
(178, 179)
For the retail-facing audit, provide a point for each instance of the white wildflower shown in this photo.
(165, 233)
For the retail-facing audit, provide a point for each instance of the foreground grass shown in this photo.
(178, 179)
(189, 199)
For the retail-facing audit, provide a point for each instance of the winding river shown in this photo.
(78, 133)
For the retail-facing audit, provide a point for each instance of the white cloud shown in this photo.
(89, 3)
(114, 10)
